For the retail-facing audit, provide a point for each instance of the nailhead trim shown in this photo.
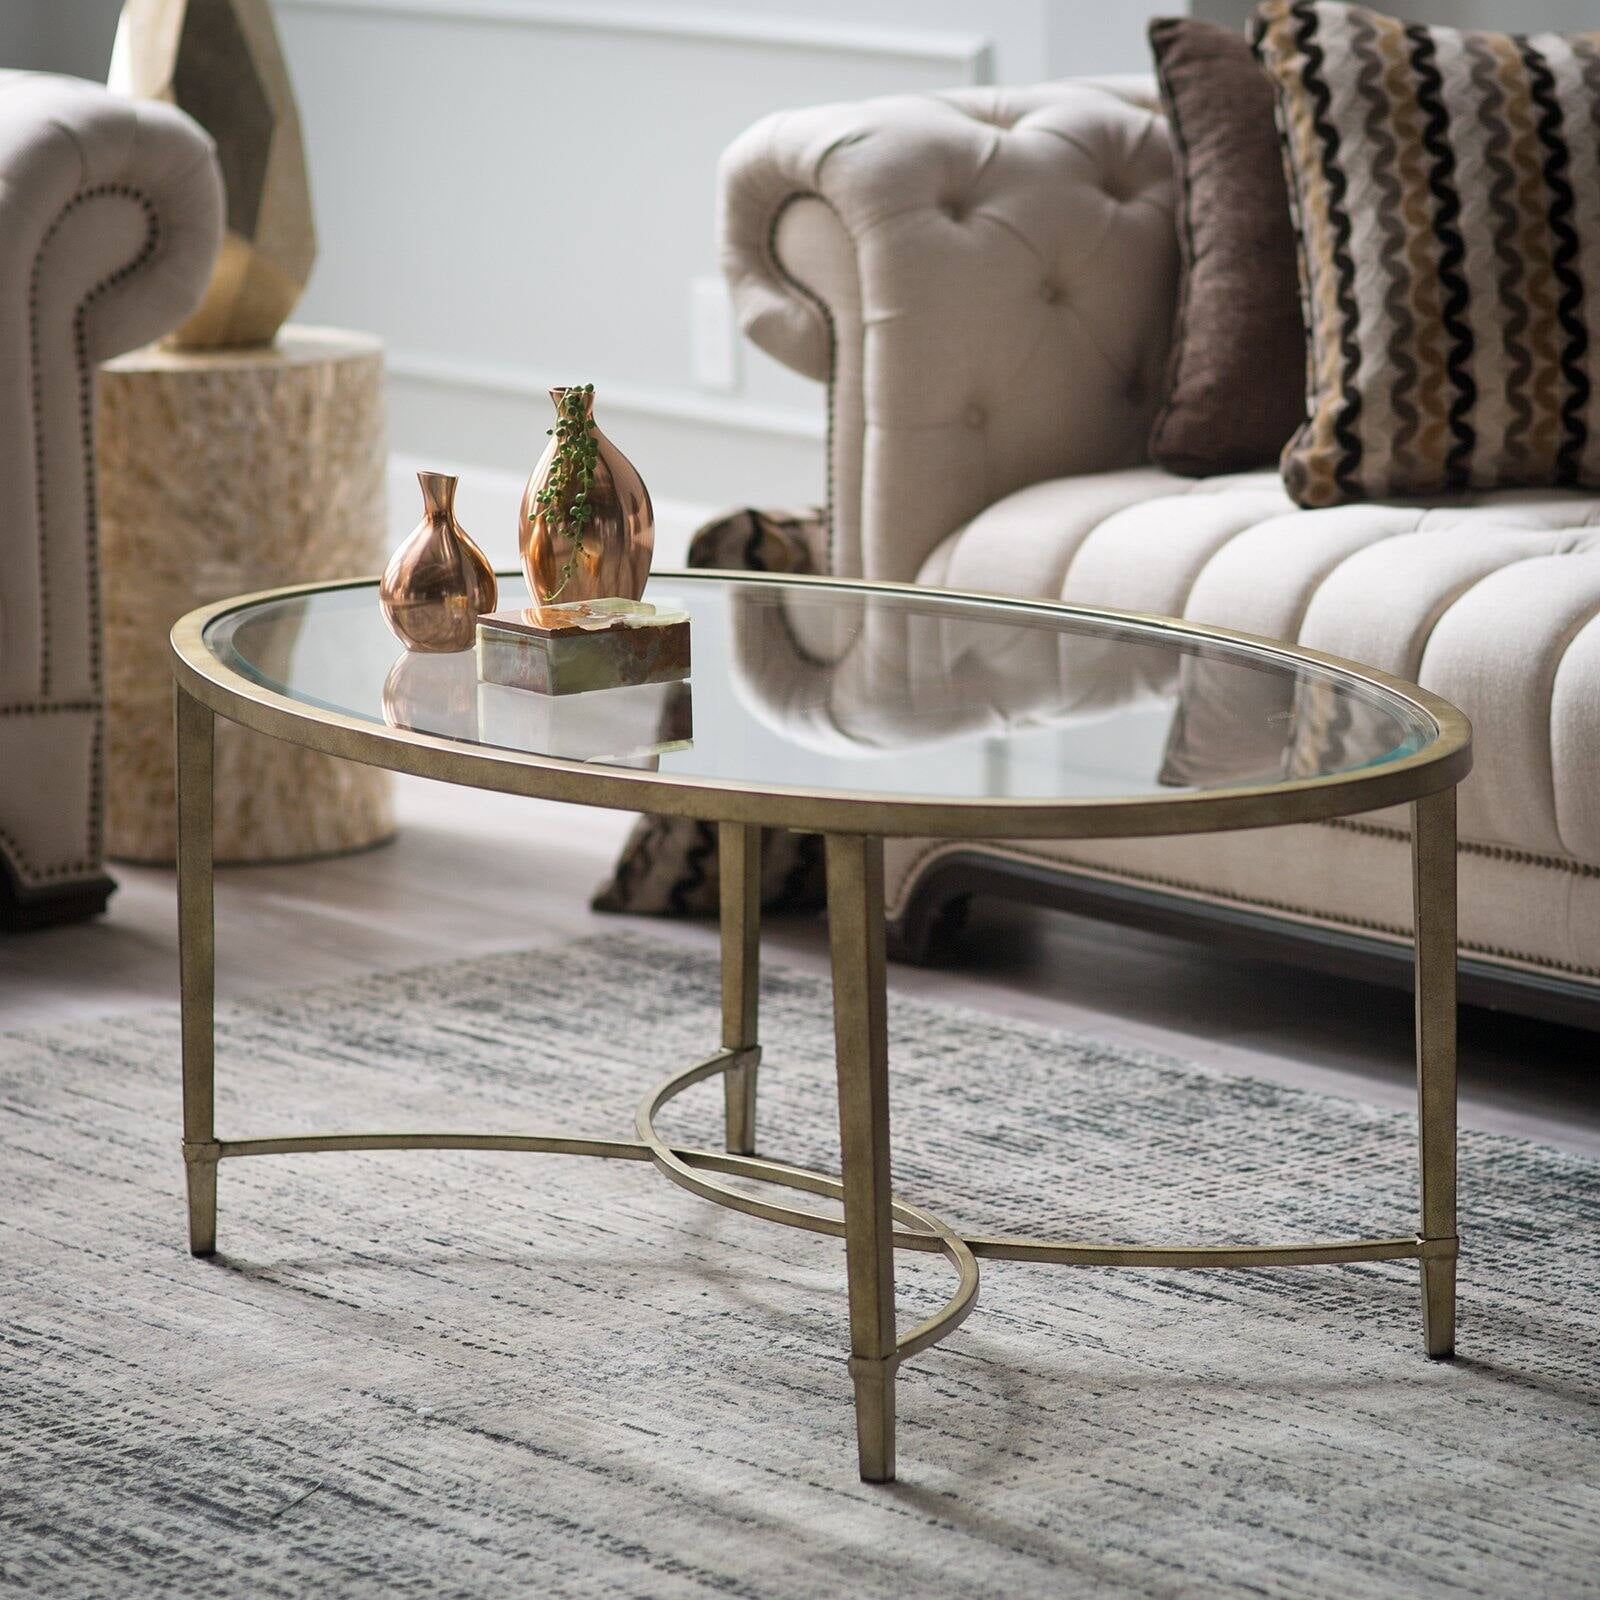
(45, 708)
(26, 867)
(36, 874)
(96, 820)
(823, 310)
(1162, 881)
(1494, 852)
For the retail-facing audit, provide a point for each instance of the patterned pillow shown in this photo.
(668, 867)
(1447, 192)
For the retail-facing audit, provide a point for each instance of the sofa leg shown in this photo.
(23, 909)
(921, 934)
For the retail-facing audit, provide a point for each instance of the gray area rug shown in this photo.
(452, 1373)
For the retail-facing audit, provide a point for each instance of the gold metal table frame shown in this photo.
(874, 1223)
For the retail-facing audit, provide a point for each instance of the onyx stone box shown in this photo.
(583, 646)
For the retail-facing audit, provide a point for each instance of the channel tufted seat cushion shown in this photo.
(1492, 601)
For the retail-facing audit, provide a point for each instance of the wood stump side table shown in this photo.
(223, 472)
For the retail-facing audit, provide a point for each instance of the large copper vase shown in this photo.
(438, 583)
(618, 540)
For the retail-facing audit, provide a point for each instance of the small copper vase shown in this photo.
(618, 539)
(432, 693)
(438, 583)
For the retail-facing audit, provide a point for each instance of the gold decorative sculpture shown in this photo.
(220, 61)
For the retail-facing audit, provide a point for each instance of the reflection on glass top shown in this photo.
(826, 689)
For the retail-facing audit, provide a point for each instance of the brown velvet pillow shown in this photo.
(1236, 373)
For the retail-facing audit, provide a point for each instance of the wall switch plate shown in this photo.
(715, 341)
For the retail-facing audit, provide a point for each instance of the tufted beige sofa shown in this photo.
(985, 282)
(110, 219)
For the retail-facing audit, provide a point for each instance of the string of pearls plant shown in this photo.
(563, 502)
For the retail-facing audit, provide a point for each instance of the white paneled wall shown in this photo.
(71, 36)
(515, 192)
(520, 192)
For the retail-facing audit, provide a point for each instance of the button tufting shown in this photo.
(1120, 186)
(954, 210)
(974, 416)
(1050, 291)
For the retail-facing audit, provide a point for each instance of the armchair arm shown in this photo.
(110, 219)
(985, 280)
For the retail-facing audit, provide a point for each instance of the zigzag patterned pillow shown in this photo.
(1446, 187)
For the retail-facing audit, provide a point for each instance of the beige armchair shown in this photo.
(110, 220)
(985, 282)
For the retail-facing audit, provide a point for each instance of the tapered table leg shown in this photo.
(1433, 863)
(739, 872)
(195, 726)
(861, 1049)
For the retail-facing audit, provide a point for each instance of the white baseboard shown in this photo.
(488, 499)
(684, 456)
(507, 381)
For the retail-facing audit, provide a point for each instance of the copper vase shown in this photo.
(438, 583)
(432, 693)
(618, 539)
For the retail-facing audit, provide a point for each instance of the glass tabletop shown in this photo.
(851, 690)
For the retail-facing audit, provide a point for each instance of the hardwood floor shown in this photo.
(475, 872)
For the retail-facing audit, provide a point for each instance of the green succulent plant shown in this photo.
(563, 502)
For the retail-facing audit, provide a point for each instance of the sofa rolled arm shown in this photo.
(111, 215)
(66, 144)
(985, 280)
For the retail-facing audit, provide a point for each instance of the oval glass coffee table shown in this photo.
(911, 713)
